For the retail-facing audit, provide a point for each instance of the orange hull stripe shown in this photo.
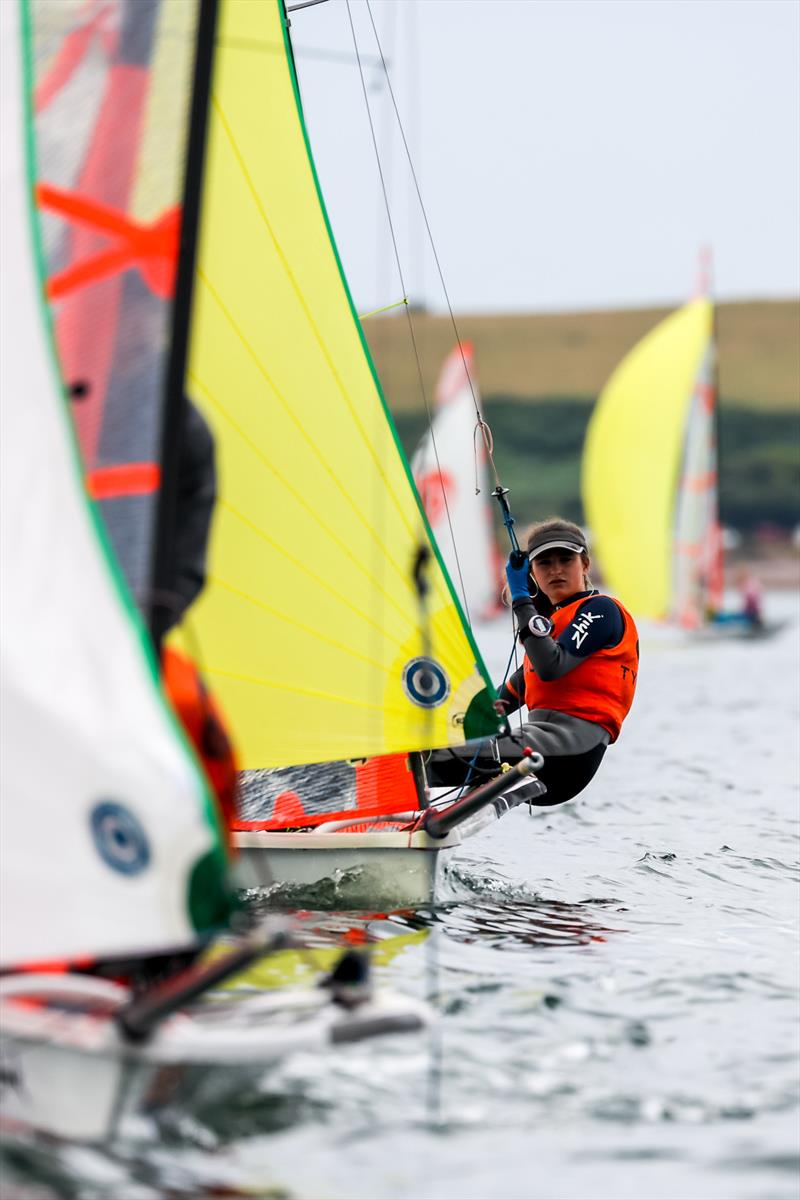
(129, 479)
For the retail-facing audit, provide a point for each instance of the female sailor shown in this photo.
(578, 677)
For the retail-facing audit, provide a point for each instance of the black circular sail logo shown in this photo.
(119, 837)
(425, 682)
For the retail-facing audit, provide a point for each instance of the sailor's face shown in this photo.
(559, 573)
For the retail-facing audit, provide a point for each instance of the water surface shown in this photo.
(617, 980)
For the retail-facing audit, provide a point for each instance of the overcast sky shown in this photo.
(571, 154)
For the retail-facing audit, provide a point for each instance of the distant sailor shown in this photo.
(751, 597)
(578, 676)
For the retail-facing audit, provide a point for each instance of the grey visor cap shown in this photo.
(552, 541)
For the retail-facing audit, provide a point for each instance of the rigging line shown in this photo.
(480, 421)
(515, 656)
(405, 290)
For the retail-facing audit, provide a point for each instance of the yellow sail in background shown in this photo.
(311, 628)
(633, 454)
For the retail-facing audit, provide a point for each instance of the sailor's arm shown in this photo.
(598, 623)
(512, 692)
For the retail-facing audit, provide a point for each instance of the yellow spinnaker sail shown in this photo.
(632, 458)
(311, 628)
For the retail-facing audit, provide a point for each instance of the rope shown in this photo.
(481, 425)
(412, 334)
(500, 493)
(423, 210)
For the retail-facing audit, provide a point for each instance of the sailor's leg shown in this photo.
(566, 775)
(563, 775)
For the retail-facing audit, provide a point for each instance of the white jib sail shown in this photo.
(102, 810)
(444, 467)
(696, 504)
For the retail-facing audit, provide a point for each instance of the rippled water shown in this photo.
(618, 983)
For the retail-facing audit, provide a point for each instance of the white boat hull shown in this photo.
(373, 868)
(66, 1070)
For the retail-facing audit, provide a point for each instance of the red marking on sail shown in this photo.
(72, 52)
(153, 249)
(435, 490)
(690, 549)
(384, 787)
(86, 326)
(126, 479)
(700, 483)
(705, 394)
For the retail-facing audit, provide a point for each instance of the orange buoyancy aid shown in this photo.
(601, 688)
(203, 723)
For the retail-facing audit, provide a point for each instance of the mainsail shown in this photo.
(649, 474)
(103, 806)
(329, 628)
(450, 470)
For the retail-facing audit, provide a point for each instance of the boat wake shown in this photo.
(507, 916)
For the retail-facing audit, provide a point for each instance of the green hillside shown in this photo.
(573, 354)
(539, 434)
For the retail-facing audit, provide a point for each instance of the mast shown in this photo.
(716, 568)
(175, 400)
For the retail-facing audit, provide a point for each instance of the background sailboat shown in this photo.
(649, 473)
(450, 471)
